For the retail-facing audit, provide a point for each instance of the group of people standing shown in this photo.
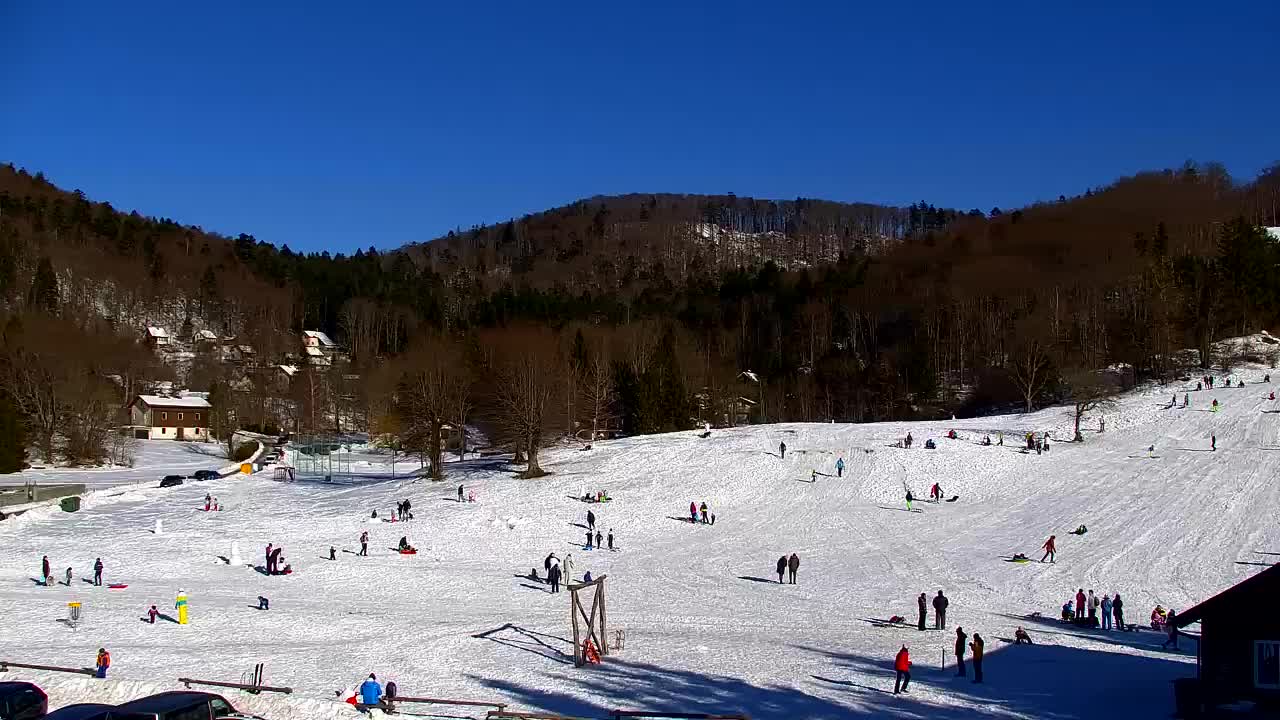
(274, 554)
(403, 510)
(46, 573)
(788, 565)
(1094, 611)
(708, 518)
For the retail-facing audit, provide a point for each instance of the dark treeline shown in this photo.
(685, 308)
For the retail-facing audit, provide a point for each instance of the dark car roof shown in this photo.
(81, 711)
(12, 685)
(166, 701)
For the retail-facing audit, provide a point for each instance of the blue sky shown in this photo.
(343, 125)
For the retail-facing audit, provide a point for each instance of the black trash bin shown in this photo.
(70, 504)
(1186, 697)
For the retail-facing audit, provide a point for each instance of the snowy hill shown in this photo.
(706, 623)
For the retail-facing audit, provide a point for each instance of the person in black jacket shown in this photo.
(1117, 611)
(923, 602)
(407, 515)
(97, 571)
(961, 637)
(553, 576)
(591, 520)
(940, 604)
(782, 450)
(782, 568)
(793, 564)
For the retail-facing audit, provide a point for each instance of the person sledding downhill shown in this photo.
(1049, 549)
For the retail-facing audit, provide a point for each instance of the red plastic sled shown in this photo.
(408, 552)
(117, 586)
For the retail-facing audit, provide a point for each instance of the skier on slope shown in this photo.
(782, 568)
(1049, 548)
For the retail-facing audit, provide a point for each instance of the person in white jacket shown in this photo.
(568, 568)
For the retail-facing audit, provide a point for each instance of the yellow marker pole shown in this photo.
(181, 604)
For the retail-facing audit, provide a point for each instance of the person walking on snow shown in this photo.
(940, 604)
(935, 492)
(782, 568)
(97, 572)
(976, 647)
(44, 571)
(599, 539)
(840, 467)
(151, 614)
(782, 450)
(909, 499)
(364, 543)
(610, 539)
(68, 577)
(588, 540)
(693, 512)
(101, 663)
(703, 510)
(1106, 612)
(459, 493)
(793, 564)
(553, 577)
(902, 671)
(370, 691)
(1049, 550)
(961, 637)
(923, 602)
(267, 554)
(1213, 443)
(591, 520)
(1186, 399)
(408, 514)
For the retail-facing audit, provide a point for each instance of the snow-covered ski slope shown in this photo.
(707, 625)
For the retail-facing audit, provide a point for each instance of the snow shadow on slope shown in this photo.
(1041, 681)
(1143, 638)
(1034, 681)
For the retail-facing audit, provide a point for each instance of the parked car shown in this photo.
(22, 701)
(81, 711)
(171, 480)
(179, 705)
(205, 475)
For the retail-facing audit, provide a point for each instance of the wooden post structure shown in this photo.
(595, 620)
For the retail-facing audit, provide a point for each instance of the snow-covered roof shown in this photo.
(320, 338)
(314, 351)
(183, 402)
(157, 332)
(207, 335)
(1274, 232)
(245, 349)
(289, 370)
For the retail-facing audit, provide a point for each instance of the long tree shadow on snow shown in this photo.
(514, 636)
(846, 685)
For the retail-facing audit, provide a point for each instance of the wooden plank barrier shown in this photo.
(255, 689)
(5, 665)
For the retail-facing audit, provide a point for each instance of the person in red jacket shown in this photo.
(1049, 549)
(1080, 606)
(693, 512)
(902, 666)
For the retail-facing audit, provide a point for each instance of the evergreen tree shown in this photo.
(43, 296)
(13, 436)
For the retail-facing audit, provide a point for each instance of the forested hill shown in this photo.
(845, 311)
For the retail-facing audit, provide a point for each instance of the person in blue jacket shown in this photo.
(370, 691)
(840, 467)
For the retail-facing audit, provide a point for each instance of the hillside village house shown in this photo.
(157, 417)
(158, 337)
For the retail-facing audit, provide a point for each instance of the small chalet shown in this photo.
(1239, 649)
(206, 340)
(318, 339)
(158, 337)
(158, 417)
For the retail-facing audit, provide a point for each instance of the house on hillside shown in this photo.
(206, 341)
(160, 417)
(157, 338)
(1239, 650)
(318, 339)
(319, 350)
